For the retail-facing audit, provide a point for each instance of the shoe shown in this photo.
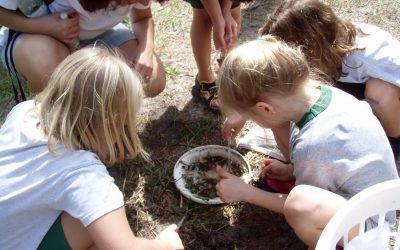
(207, 92)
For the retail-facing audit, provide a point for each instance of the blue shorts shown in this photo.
(110, 39)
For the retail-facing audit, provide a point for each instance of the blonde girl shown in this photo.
(56, 192)
(332, 154)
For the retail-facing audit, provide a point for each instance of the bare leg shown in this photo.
(36, 57)
(308, 210)
(384, 99)
(76, 234)
(157, 80)
(200, 35)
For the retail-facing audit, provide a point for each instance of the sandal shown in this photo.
(207, 92)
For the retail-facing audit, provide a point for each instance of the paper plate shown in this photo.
(194, 155)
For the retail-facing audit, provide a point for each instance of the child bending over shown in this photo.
(37, 45)
(56, 192)
(361, 59)
(337, 147)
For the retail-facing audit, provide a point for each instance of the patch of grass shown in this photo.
(170, 19)
(195, 131)
(6, 95)
(170, 70)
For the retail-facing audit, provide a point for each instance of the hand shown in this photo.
(170, 238)
(274, 169)
(144, 65)
(231, 29)
(65, 31)
(219, 35)
(232, 126)
(230, 188)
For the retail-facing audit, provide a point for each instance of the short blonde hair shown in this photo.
(259, 68)
(91, 103)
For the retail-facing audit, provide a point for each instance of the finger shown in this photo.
(222, 173)
(266, 162)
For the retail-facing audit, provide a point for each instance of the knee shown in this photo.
(35, 58)
(297, 209)
(158, 82)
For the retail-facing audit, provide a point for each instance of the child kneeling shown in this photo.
(337, 147)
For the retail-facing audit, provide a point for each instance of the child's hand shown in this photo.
(170, 238)
(274, 169)
(230, 188)
(144, 65)
(232, 125)
(66, 30)
(219, 35)
(231, 29)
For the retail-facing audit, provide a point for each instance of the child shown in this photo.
(55, 191)
(362, 59)
(37, 45)
(221, 20)
(337, 146)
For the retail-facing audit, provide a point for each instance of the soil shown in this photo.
(174, 122)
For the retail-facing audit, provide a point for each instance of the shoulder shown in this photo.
(346, 126)
(375, 43)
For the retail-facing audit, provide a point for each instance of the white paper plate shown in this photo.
(194, 155)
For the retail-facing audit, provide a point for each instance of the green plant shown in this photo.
(170, 70)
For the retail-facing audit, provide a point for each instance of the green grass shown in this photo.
(6, 94)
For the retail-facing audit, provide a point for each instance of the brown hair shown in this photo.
(323, 37)
(257, 69)
(93, 5)
(91, 103)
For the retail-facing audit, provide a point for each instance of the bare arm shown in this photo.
(143, 28)
(112, 231)
(214, 10)
(51, 25)
(231, 27)
(233, 189)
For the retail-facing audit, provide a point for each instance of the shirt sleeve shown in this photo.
(89, 193)
(378, 57)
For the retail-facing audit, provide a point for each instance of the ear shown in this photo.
(264, 107)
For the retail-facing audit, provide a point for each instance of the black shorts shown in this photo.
(196, 4)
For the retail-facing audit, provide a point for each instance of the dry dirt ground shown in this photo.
(173, 122)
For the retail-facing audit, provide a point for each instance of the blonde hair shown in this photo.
(91, 103)
(257, 69)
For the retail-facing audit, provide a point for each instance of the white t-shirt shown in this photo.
(95, 23)
(36, 186)
(341, 147)
(380, 57)
(92, 23)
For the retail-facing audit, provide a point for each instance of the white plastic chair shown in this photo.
(375, 200)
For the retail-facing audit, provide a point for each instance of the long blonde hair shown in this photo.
(91, 103)
(258, 68)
